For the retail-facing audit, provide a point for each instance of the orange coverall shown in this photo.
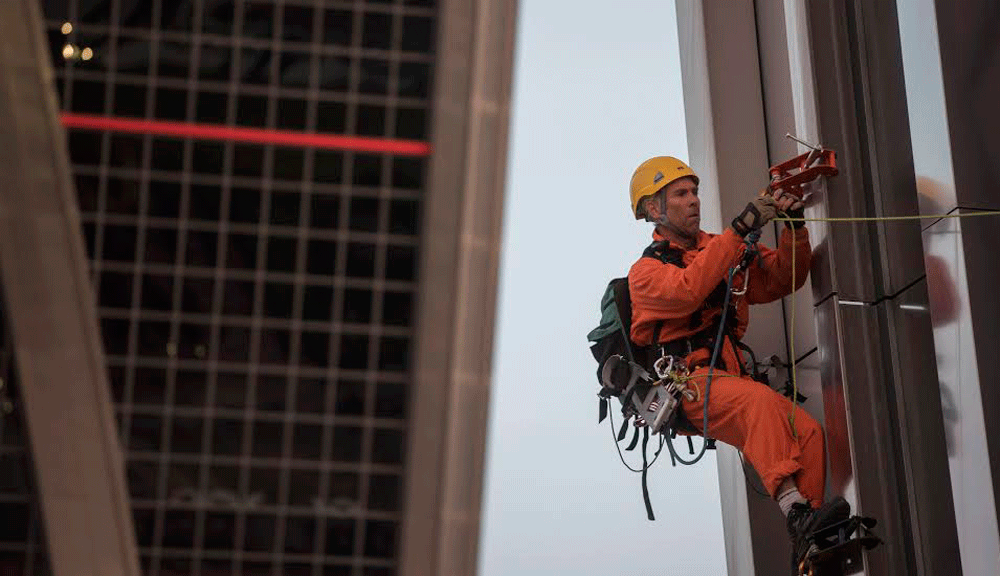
(742, 412)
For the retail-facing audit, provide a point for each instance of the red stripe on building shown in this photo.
(243, 134)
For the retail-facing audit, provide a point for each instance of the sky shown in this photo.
(596, 92)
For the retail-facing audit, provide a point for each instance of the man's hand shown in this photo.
(755, 215)
(791, 206)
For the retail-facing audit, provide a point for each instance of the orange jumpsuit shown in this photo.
(742, 412)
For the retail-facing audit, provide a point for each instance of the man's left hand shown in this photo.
(787, 202)
(789, 205)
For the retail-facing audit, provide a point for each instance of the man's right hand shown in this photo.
(757, 213)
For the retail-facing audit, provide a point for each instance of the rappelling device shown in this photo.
(792, 175)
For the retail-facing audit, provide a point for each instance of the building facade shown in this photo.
(289, 219)
(895, 342)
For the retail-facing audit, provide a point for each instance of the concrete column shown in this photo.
(51, 308)
(459, 266)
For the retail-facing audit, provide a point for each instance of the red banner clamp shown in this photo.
(791, 175)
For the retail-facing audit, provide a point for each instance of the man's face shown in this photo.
(682, 205)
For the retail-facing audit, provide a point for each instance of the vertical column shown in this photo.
(459, 268)
(970, 69)
(51, 310)
(893, 404)
(950, 69)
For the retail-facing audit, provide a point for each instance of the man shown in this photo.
(678, 289)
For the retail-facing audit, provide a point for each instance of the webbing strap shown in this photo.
(645, 467)
(635, 440)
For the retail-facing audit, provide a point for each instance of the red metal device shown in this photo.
(793, 174)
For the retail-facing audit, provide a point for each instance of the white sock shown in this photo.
(789, 497)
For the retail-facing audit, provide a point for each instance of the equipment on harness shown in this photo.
(624, 368)
(652, 403)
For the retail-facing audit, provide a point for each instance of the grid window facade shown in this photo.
(22, 538)
(256, 301)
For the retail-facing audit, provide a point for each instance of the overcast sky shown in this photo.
(596, 91)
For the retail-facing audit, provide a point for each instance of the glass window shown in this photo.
(317, 303)
(130, 100)
(292, 113)
(337, 27)
(370, 121)
(88, 97)
(161, 246)
(251, 110)
(217, 17)
(360, 260)
(297, 24)
(321, 257)
(367, 170)
(255, 67)
(364, 214)
(164, 199)
(295, 69)
(167, 154)
(174, 58)
(376, 31)
(390, 400)
(397, 308)
(281, 254)
(325, 209)
(331, 117)
(171, 104)
(215, 62)
(285, 208)
(278, 300)
(374, 77)
(418, 34)
(334, 73)
(414, 79)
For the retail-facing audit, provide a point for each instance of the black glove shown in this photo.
(755, 215)
(800, 213)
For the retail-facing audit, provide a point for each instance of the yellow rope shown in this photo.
(791, 331)
(890, 218)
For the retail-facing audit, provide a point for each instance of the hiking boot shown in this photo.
(802, 521)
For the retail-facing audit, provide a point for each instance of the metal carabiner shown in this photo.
(662, 372)
(746, 283)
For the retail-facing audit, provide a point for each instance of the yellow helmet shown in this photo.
(652, 175)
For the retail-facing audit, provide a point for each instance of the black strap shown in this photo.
(635, 440)
(645, 467)
(602, 411)
(622, 430)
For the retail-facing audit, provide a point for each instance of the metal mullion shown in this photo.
(290, 372)
(305, 233)
(279, 185)
(352, 111)
(243, 461)
(30, 536)
(109, 84)
(242, 321)
(206, 412)
(206, 272)
(132, 361)
(357, 374)
(235, 413)
(378, 292)
(136, 267)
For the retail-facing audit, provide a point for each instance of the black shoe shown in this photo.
(803, 521)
